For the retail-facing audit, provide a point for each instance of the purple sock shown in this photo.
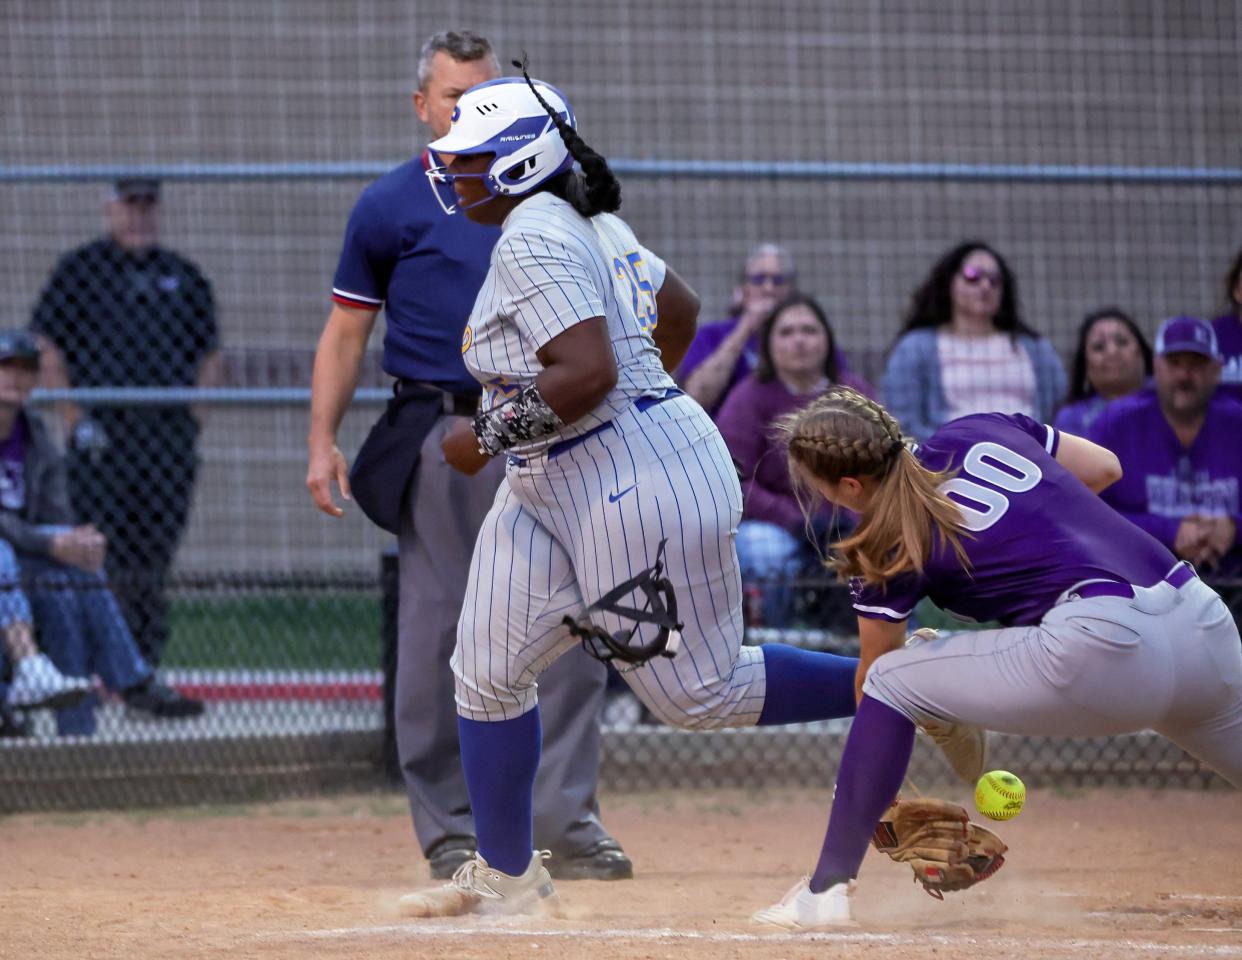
(499, 760)
(876, 756)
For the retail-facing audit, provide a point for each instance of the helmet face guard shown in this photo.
(660, 609)
(502, 118)
(442, 186)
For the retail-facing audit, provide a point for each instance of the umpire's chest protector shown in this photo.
(386, 461)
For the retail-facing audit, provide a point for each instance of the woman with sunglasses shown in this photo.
(965, 349)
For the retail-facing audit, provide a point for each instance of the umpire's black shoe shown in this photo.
(446, 855)
(604, 860)
(163, 703)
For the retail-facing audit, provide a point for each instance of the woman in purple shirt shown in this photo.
(996, 517)
(797, 362)
(1113, 360)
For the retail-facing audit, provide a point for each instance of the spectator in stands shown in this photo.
(1228, 327)
(1112, 360)
(797, 361)
(723, 353)
(34, 681)
(60, 565)
(123, 311)
(1179, 450)
(965, 348)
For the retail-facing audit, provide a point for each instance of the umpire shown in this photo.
(402, 253)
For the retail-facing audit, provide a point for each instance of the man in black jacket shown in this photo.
(125, 311)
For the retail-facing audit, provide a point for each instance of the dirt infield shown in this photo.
(1101, 874)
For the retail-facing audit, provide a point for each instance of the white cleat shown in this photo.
(479, 889)
(963, 745)
(801, 911)
(37, 683)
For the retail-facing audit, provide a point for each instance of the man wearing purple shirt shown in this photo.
(1179, 447)
(723, 353)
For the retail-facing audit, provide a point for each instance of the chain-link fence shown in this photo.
(235, 638)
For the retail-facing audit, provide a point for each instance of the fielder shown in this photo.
(616, 519)
(995, 518)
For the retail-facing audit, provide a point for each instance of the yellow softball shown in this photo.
(999, 795)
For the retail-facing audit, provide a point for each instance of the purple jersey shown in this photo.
(1163, 481)
(13, 468)
(1229, 338)
(1033, 529)
(706, 342)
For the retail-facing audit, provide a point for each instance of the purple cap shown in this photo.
(1187, 335)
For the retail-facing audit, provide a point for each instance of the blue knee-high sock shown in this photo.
(876, 756)
(499, 760)
(803, 685)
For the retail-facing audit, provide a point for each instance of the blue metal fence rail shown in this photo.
(694, 169)
(221, 396)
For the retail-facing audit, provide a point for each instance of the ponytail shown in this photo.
(596, 189)
(844, 434)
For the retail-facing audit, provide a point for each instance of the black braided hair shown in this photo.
(596, 189)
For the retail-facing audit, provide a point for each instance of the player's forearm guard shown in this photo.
(524, 418)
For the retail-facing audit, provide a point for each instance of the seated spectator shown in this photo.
(82, 629)
(1113, 360)
(797, 362)
(1179, 451)
(723, 353)
(1228, 327)
(965, 349)
(34, 682)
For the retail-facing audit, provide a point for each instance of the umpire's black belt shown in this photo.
(455, 404)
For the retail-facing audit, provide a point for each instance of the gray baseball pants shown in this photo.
(1167, 660)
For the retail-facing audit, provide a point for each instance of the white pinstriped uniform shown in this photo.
(570, 523)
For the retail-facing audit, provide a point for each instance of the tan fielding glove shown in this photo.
(946, 851)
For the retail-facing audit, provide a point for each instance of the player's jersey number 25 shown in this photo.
(631, 274)
(989, 472)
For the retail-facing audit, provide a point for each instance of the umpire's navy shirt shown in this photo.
(403, 253)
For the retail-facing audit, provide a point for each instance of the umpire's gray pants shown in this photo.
(438, 530)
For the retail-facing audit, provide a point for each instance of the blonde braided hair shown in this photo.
(845, 434)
